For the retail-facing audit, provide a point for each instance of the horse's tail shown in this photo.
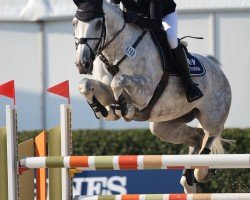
(217, 146)
(214, 59)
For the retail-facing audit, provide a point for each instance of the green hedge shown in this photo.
(95, 142)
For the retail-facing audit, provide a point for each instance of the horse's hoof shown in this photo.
(118, 113)
(130, 112)
(116, 109)
(98, 115)
(111, 114)
(202, 175)
(189, 174)
(188, 189)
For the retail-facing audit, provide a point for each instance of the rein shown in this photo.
(114, 68)
(113, 38)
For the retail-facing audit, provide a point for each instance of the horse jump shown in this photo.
(116, 163)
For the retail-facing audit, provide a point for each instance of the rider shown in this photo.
(155, 14)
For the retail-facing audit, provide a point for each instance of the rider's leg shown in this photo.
(192, 91)
(170, 26)
(159, 32)
(169, 23)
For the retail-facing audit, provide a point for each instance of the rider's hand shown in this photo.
(130, 17)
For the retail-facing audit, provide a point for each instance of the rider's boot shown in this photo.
(192, 91)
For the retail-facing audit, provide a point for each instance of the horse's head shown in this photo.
(89, 33)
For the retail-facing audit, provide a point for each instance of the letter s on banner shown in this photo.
(114, 187)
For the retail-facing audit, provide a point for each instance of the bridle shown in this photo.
(101, 41)
(101, 44)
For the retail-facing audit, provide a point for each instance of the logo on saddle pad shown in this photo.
(195, 67)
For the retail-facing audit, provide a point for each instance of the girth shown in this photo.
(144, 114)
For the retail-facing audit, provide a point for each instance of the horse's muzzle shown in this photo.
(84, 67)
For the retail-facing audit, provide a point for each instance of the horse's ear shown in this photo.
(76, 2)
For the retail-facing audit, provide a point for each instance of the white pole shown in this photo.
(65, 115)
(12, 137)
(213, 161)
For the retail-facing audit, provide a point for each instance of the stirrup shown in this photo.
(195, 98)
(197, 95)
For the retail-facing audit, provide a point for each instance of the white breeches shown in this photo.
(169, 23)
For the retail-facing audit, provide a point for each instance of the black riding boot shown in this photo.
(192, 91)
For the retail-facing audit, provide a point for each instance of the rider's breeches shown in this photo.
(169, 23)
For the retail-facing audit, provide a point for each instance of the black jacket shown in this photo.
(143, 6)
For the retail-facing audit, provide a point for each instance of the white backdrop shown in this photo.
(39, 54)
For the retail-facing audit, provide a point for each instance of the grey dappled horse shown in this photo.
(137, 79)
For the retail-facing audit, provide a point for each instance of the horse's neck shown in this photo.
(114, 22)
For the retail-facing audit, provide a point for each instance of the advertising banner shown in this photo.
(127, 182)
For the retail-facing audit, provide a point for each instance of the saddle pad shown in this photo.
(195, 67)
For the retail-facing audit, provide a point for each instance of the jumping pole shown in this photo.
(212, 161)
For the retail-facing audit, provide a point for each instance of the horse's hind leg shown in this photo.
(202, 175)
(188, 175)
(99, 97)
(212, 121)
(177, 132)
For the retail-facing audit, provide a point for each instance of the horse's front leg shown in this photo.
(129, 91)
(99, 97)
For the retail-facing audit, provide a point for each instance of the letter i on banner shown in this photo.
(8, 90)
(61, 89)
